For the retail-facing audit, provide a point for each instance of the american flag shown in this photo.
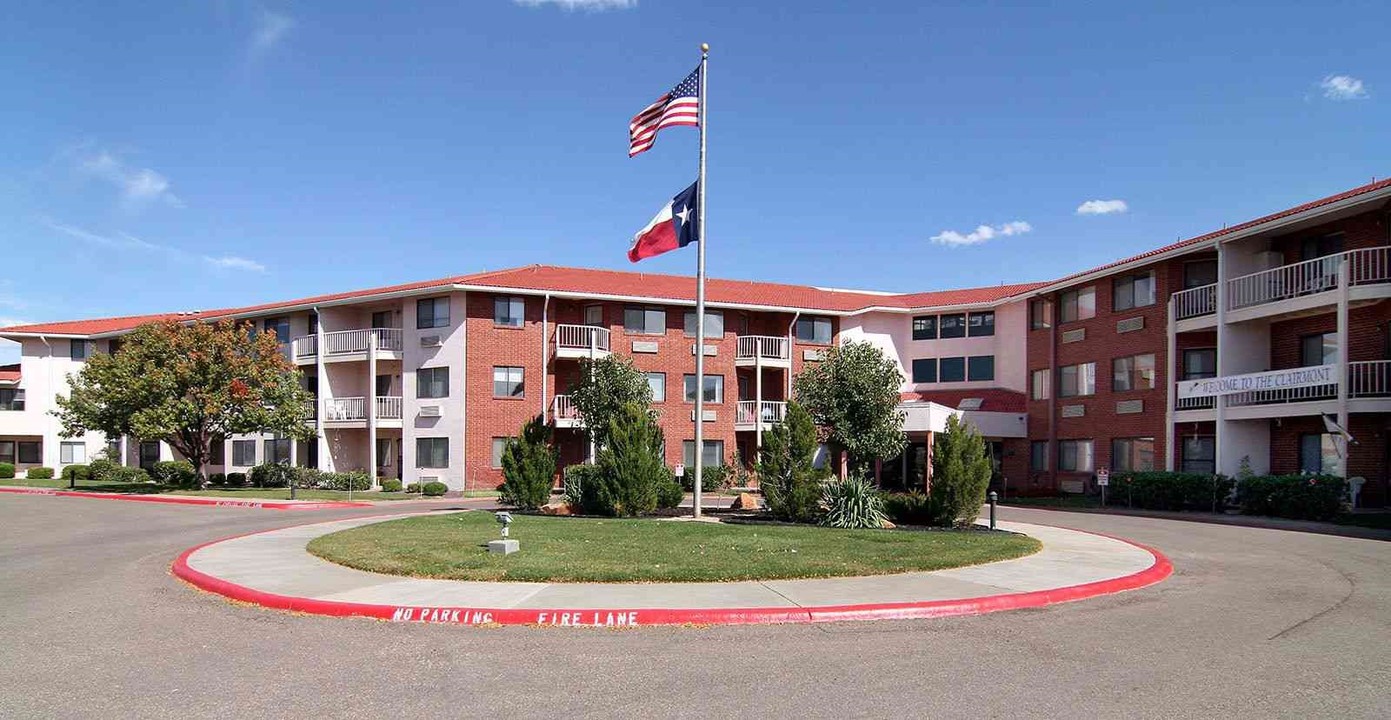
(680, 106)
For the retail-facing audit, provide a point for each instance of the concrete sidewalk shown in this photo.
(274, 569)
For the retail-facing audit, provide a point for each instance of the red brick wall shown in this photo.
(1360, 231)
(1367, 334)
(1366, 458)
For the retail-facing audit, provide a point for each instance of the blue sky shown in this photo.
(193, 155)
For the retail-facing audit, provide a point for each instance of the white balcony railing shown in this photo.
(582, 337)
(1284, 395)
(388, 407)
(347, 342)
(766, 347)
(1369, 379)
(345, 408)
(1195, 302)
(562, 409)
(771, 412)
(1196, 403)
(1368, 266)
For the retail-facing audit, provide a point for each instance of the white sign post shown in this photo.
(1103, 478)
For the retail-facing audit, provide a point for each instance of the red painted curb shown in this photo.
(615, 617)
(191, 500)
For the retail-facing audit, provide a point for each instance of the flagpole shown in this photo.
(700, 294)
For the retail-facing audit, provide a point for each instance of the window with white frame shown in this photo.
(11, 399)
(79, 349)
(714, 324)
(277, 450)
(244, 453)
(813, 329)
(1132, 291)
(508, 382)
(644, 320)
(1039, 384)
(72, 452)
(509, 311)
(657, 383)
(1198, 454)
(499, 449)
(7, 451)
(30, 452)
(1078, 304)
(433, 382)
(1318, 453)
(1132, 454)
(712, 456)
(1133, 373)
(1075, 455)
(714, 389)
(432, 452)
(1040, 314)
(280, 326)
(1077, 380)
(1199, 363)
(432, 313)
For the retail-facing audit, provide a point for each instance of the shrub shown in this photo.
(40, 473)
(1159, 490)
(413, 487)
(960, 475)
(712, 479)
(217, 479)
(852, 503)
(356, 480)
(179, 473)
(910, 508)
(73, 473)
(307, 478)
(434, 489)
(236, 479)
(132, 475)
(1301, 497)
(669, 492)
(576, 477)
(528, 467)
(102, 470)
(391, 485)
(272, 475)
(630, 468)
(6, 471)
(785, 474)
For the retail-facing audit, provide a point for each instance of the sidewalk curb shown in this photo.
(625, 617)
(191, 500)
(1313, 527)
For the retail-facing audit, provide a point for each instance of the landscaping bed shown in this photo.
(647, 550)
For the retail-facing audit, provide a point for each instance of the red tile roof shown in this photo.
(9, 373)
(992, 399)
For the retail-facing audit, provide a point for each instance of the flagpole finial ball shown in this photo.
(705, 47)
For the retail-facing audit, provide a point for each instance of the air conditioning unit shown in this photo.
(430, 411)
(431, 341)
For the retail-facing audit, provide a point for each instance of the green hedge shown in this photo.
(103, 470)
(356, 480)
(6, 471)
(909, 508)
(712, 479)
(40, 473)
(73, 473)
(1159, 490)
(179, 473)
(1301, 497)
(434, 489)
(391, 485)
(236, 479)
(272, 475)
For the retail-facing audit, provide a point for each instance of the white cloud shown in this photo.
(126, 241)
(232, 262)
(270, 28)
(1343, 87)
(981, 234)
(588, 5)
(138, 186)
(1102, 207)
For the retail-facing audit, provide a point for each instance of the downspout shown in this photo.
(545, 355)
(791, 328)
(49, 372)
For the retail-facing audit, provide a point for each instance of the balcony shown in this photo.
(352, 411)
(1196, 305)
(564, 414)
(1369, 390)
(348, 345)
(1311, 284)
(750, 414)
(580, 341)
(762, 350)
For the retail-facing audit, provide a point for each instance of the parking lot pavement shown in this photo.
(1254, 623)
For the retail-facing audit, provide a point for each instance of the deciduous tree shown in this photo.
(853, 394)
(605, 387)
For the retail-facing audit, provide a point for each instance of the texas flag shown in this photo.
(676, 226)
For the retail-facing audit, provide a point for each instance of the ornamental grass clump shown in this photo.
(852, 503)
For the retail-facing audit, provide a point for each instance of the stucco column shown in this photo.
(372, 405)
(321, 379)
(1344, 379)
(1219, 426)
(1171, 389)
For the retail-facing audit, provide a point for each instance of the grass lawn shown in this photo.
(605, 550)
(246, 493)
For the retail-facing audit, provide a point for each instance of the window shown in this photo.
(1078, 304)
(383, 387)
(217, 451)
(1132, 454)
(78, 349)
(432, 313)
(1198, 455)
(380, 319)
(644, 320)
(432, 452)
(714, 389)
(72, 452)
(952, 369)
(499, 449)
(1132, 291)
(953, 326)
(1075, 455)
(279, 326)
(7, 451)
(149, 454)
(434, 382)
(814, 329)
(1199, 273)
(30, 452)
(113, 346)
(925, 370)
(313, 324)
(657, 383)
(714, 324)
(980, 324)
(1040, 314)
(384, 454)
(713, 455)
(1075, 380)
(509, 311)
(113, 450)
(594, 315)
(980, 367)
(277, 450)
(508, 382)
(1038, 456)
(243, 453)
(1133, 373)
(11, 399)
(1039, 385)
(1318, 453)
(1199, 363)
(1321, 349)
(1317, 247)
(925, 327)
